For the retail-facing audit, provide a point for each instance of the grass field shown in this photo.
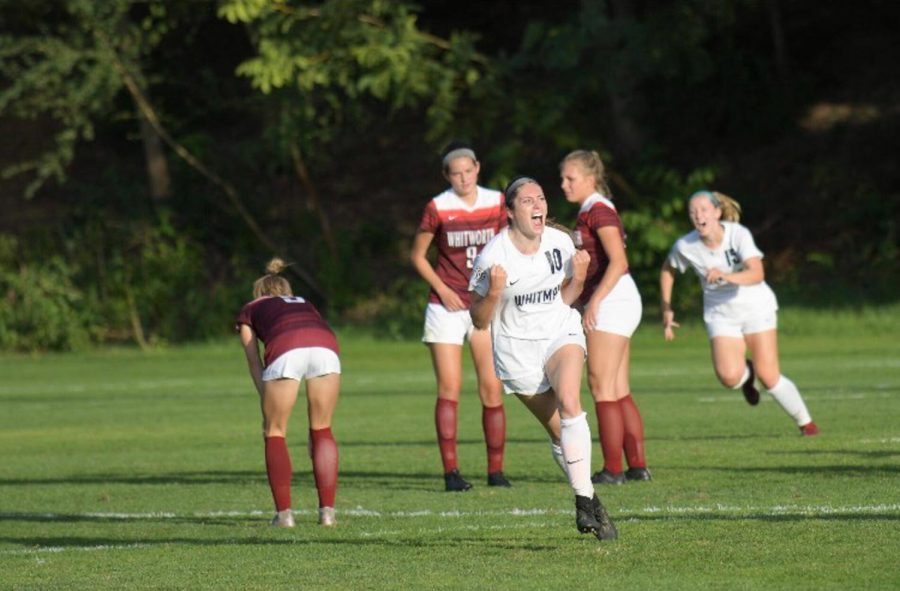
(130, 470)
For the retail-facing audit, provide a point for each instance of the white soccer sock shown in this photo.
(788, 396)
(575, 441)
(744, 379)
(556, 452)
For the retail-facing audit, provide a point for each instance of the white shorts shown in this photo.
(444, 326)
(306, 362)
(524, 360)
(621, 309)
(719, 326)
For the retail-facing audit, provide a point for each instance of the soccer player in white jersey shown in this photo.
(523, 285)
(460, 221)
(739, 308)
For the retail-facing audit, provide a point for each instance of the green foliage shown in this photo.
(327, 60)
(62, 69)
(676, 96)
(396, 313)
(42, 308)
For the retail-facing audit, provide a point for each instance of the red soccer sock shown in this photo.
(445, 412)
(634, 433)
(493, 421)
(612, 435)
(324, 452)
(278, 469)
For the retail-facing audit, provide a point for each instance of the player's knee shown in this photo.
(274, 430)
(769, 378)
(449, 390)
(730, 379)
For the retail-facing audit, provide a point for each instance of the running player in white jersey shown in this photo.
(739, 308)
(460, 221)
(611, 306)
(523, 285)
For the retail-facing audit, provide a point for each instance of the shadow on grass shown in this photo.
(872, 454)
(203, 477)
(833, 470)
(50, 543)
(384, 480)
(149, 517)
(412, 539)
(765, 517)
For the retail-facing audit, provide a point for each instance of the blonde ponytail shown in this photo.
(272, 284)
(591, 165)
(731, 209)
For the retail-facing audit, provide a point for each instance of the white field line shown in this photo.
(630, 515)
(513, 512)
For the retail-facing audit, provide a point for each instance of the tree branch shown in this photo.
(233, 197)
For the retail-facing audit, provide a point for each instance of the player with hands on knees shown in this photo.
(298, 345)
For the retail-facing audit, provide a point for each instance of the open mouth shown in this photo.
(537, 220)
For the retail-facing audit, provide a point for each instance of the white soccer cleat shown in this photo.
(283, 519)
(326, 517)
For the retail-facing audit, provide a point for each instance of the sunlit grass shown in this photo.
(123, 469)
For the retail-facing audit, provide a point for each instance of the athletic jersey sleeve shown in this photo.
(744, 243)
(676, 258)
(480, 280)
(431, 220)
(599, 217)
(568, 248)
(243, 317)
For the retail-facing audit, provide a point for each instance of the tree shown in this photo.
(325, 66)
(59, 66)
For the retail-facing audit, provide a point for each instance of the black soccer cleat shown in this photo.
(453, 482)
(637, 474)
(591, 517)
(607, 477)
(751, 394)
(498, 479)
(608, 529)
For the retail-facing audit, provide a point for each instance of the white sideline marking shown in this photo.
(514, 512)
(883, 440)
(624, 514)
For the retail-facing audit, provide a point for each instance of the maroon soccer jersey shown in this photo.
(596, 212)
(285, 323)
(461, 232)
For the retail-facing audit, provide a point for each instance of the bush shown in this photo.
(42, 308)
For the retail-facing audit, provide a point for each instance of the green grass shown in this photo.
(129, 470)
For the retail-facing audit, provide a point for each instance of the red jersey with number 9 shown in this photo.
(461, 231)
(284, 323)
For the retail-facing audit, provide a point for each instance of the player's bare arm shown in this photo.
(666, 282)
(418, 257)
(572, 287)
(751, 274)
(482, 308)
(251, 350)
